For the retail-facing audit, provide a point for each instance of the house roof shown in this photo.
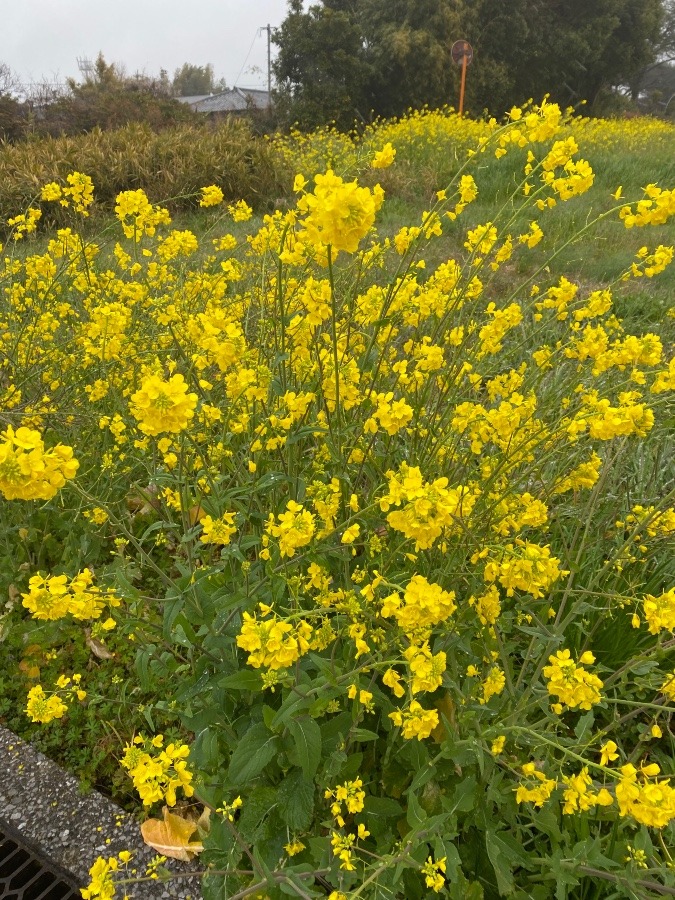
(232, 100)
(190, 101)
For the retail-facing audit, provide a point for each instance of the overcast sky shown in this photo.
(42, 39)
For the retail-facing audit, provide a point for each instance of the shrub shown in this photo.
(171, 165)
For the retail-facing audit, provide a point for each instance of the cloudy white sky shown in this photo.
(41, 39)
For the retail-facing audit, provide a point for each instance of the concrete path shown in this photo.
(44, 804)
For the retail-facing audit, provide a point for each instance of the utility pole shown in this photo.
(268, 29)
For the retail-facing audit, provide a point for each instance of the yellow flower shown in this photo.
(578, 798)
(138, 216)
(426, 669)
(218, 531)
(433, 873)
(211, 196)
(294, 847)
(51, 192)
(28, 471)
(273, 643)
(415, 721)
(101, 886)
(536, 788)
(660, 611)
(497, 745)
(384, 157)
(351, 534)
(41, 708)
(339, 213)
(157, 776)
(424, 604)
(570, 682)
(295, 528)
(493, 684)
(646, 799)
(392, 680)
(608, 753)
(240, 211)
(160, 406)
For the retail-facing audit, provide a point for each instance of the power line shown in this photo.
(255, 36)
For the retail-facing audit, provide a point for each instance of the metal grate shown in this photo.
(27, 875)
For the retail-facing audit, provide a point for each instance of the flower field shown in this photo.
(344, 533)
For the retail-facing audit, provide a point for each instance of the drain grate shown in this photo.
(26, 875)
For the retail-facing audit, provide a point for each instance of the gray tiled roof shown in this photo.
(191, 101)
(232, 100)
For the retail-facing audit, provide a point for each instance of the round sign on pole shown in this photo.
(462, 50)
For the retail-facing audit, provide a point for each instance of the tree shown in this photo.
(321, 71)
(409, 44)
(108, 98)
(392, 54)
(9, 82)
(656, 79)
(191, 81)
(11, 113)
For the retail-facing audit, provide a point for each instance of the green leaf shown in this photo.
(363, 735)
(584, 725)
(464, 796)
(255, 823)
(307, 736)
(499, 857)
(295, 800)
(416, 815)
(291, 705)
(204, 751)
(251, 755)
(384, 807)
(173, 606)
(246, 680)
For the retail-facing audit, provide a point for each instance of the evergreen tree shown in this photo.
(343, 59)
(321, 70)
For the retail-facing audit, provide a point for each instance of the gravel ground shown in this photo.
(44, 804)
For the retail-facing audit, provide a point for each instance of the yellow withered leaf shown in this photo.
(171, 837)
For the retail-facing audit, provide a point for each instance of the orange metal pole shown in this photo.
(463, 85)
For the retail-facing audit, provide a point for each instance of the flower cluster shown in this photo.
(659, 612)
(218, 531)
(28, 471)
(44, 707)
(424, 604)
(415, 721)
(338, 213)
(57, 596)
(78, 191)
(25, 223)
(428, 510)
(524, 566)
(138, 216)
(102, 884)
(163, 406)
(644, 797)
(158, 773)
(293, 529)
(352, 796)
(273, 643)
(536, 788)
(578, 798)
(570, 682)
(211, 196)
